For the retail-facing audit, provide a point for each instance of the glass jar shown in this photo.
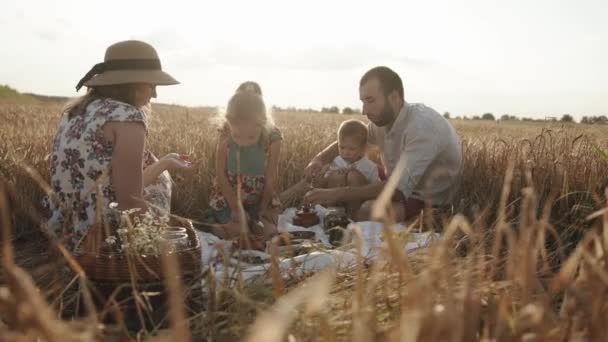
(175, 241)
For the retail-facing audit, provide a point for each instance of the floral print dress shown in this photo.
(80, 170)
(247, 164)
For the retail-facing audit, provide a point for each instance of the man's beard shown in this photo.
(386, 117)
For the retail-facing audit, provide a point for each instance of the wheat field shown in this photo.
(520, 241)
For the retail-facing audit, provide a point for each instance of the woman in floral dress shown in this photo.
(99, 155)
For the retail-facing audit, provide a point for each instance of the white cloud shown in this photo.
(466, 56)
(165, 40)
(326, 59)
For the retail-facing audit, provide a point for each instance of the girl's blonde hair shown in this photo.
(247, 104)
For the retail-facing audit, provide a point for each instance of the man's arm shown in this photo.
(322, 158)
(360, 193)
(349, 193)
(328, 154)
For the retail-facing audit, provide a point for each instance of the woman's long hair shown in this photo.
(120, 92)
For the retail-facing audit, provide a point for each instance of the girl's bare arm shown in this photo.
(271, 176)
(222, 178)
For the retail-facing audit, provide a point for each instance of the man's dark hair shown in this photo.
(389, 80)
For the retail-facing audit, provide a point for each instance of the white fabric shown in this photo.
(371, 233)
(431, 148)
(368, 168)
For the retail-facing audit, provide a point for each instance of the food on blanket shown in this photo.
(303, 234)
(292, 241)
(253, 257)
(306, 217)
(298, 247)
(297, 238)
(299, 241)
(335, 235)
(254, 260)
(335, 218)
(334, 224)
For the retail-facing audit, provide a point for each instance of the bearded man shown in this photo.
(416, 133)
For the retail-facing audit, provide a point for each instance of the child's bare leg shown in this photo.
(319, 182)
(318, 179)
(270, 229)
(336, 179)
(270, 220)
(217, 230)
(228, 230)
(354, 178)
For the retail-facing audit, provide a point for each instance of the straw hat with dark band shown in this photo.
(130, 61)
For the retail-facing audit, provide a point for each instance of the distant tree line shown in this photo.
(330, 110)
(595, 120)
(565, 118)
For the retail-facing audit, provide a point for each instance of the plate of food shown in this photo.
(296, 237)
(251, 257)
(302, 234)
(297, 247)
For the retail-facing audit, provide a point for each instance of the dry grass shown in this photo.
(497, 274)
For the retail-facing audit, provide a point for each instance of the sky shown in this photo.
(527, 58)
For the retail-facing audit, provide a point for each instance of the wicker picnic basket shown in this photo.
(118, 268)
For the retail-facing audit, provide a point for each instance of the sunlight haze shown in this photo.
(526, 58)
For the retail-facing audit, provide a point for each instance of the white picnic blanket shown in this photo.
(371, 234)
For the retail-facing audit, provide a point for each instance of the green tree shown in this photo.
(348, 111)
(567, 118)
(488, 116)
(332, 110)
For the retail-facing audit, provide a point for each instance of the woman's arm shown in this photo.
(152, 171)
(127, 158)
(222, 178)
(271, 175)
